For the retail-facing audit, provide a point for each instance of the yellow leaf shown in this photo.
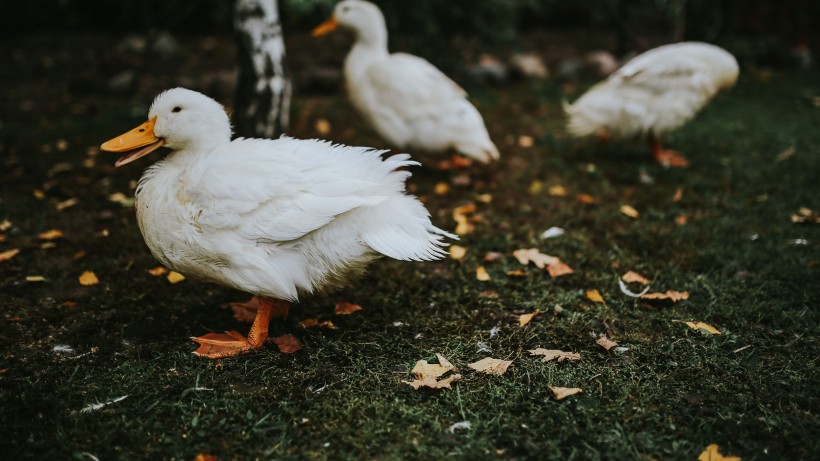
(457, 252)
(88, 279)
(441, 188)
(50, 235)
(517, 273)
(484, 198)
(346, 308)
(702, 327)
(712, 453)
(175, 277)
(491, 366)
(595, 296)
(35, 278)
(673, 296)
(553, 354)
(563, 392)
(535, 187)
(606, 343)
(8, 254)
(5, 225)
(527, 318)
(157, 271)
(557, 191)
(431, 382)
(629, 211)
(525, 141)
(634, 277)
(67, 204)
(481, 274)
(322, 126)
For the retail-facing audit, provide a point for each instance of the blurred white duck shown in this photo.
(405, 98)
(653, 94)
(276, 218)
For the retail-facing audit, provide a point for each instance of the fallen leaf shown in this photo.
(606, 343)
(3, 237)
(422, 369)
(786, 154)
(5, 225)
(481, 274)
(678, 194)
(712, 453)
(532, 255)
(535, 187)
(805, 215)
(8, 254)
(50, 235)
(557, 191)
(462, 216)
(455, 163)
(205, 457)
(563, 392)
(552, 232)
(78, 255)
(288, 344)
(35, 278)
(315, 323)
(595, 296)
(442, 360)
(431, 382)
(70, 304)
(680, 220)
(175, 277)
(457, 252)
(553, 354)
(322, 126)
(157, 271)
(88, 279)
(527, 318)
(517, 273)
(67, 204)
(122, 199)
(48, 245)
(630, 277)
(586, 198)
(525, 141)
(491, 366)
(673, 296)
(492, 256)
(38, 194)
(484, 198)
(346, 308)
(702, 327)
(629, 211)
(441, 188)
(558, 269)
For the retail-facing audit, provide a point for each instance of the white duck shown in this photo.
(406, 99)
(653, 94)
(276, 218)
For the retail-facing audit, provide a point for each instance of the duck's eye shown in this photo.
(176, 109)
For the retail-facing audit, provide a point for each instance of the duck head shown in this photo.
(179, 119)
(362, 18)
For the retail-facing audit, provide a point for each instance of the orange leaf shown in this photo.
(606, 343)
(492, 256)
(157, 271)
(629, 211)
(634, 277)
(712, 453)
(595, 296)
(563, 392)
(88, 279)
(673, 296)
(481, 274)
(586, 198)
(552, 354)
(204, 457)
(558, 269)
(491, 366)
(8, 254)
(50, 235)
(346, 308)
(175, 277)
(678, 194)
(315, 323)
(527, 318)
(288, 344)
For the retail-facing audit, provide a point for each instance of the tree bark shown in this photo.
(263, 89)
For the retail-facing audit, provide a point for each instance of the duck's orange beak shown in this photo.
(141, 138)
(326, 27)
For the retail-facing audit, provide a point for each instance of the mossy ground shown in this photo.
(752, 389)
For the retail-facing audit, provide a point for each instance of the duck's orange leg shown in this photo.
(665, 157)
(246, 311)
(231, 343)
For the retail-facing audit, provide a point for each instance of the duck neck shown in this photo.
(368, 48)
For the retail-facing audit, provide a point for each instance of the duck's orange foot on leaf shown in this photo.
(670, 158)
(220, 345)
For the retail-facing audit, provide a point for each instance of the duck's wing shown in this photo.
(265, 196)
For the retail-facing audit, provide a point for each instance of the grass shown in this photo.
(752, 389)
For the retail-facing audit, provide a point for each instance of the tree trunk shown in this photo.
(263, 91)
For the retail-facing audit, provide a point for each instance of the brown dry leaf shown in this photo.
(205, 457)
(423, 369)
(532, 255)
(557, 191)
(175, 277)
(441, 188)
(563, 392)
(629, 211)
(558, 269)
(517, 273)
(595, 296)
(157, 271)
(712, 453)
(680, 220)
(3, 237)
(702, 327)
(491, 366)
(8, 254)
(38, 194)
(525, 141)
(50, 235)
(457, 252)
(88, 279)
(346, 308)
(78, 255)
(606, 343)
(673, 296)
(527, 318)
(444, 362)
(630, 277)
(70, 304)
(481, 274)
(678, 194)
(805, 215)
(553, 354)
(785, 154)
(315, 323)
(35, 278)
(288, 344)
(431, 382)
(462, 216)
(484, 198)
(586, 198)
(67, 204)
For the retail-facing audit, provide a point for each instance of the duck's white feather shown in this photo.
(406, 99)
(656, 92)
(279, 218)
